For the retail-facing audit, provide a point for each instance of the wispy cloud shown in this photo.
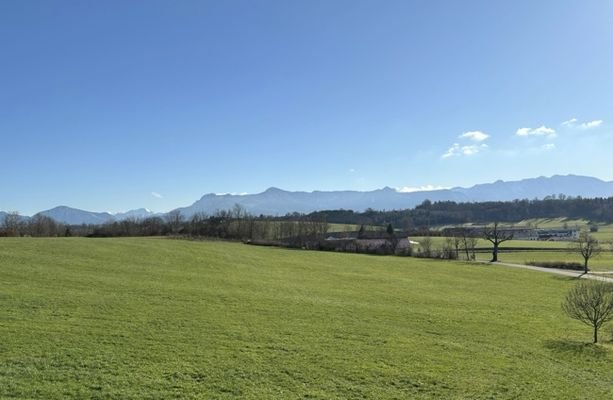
(570, 122)
(425, 188)
(548, 146)
(156, 195)
(475, 136)
(540, 131)
(591, 124)
(458, 150)
(574, 123)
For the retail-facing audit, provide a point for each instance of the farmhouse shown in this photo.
(557, 234)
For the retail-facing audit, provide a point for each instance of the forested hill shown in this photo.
(449, 212)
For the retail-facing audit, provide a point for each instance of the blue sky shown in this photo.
(113, 105)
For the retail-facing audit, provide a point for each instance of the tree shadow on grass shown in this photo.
(565, 278)
(576, 349)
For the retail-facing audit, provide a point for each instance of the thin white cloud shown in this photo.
(548, 146)
(453, 150)
(458, 150)
(351, 170)
(475, 136)
(523, 131)
(156, 195)
(591, 124)
(468, 150)
(540, 131)
(425, 188)
(574, 123)
(570, 122)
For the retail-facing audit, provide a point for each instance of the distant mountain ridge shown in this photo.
(275, 201)
(74, 216)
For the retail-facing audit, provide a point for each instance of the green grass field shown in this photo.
(601, 263)
(171, 319)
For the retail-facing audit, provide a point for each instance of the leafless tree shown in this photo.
(426, 246)
(175, 220)
(587, 246)
(238, 215)
(12, 223)
(496, 236)
(468, 242)
(450, 249)
(590, 302)
(470, 245)
(41, 225)
(457, 243)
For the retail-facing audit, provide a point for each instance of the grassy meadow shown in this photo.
(145, 318)
(602, 263)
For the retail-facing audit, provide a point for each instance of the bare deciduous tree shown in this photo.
(590, 302)
(587, 246)
(11, 223)
(449, 250)
(41, 225)
(175, 220)
(457, 242)
(426, 246)
(468, 243)
(496, 236)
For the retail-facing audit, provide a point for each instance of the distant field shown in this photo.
(604, 262)
(605, 231)
(554, 222)
(352, 228)
(170, 319)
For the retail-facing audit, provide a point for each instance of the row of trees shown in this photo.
(234, 224)
(430, 213)
(462, 244)
(14, 225)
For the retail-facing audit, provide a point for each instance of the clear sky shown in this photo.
(113, 105)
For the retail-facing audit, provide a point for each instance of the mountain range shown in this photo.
(274, 201)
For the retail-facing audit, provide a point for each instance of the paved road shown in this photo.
(564, 272)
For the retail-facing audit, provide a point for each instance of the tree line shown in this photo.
(233, 224)
(37, 226)
(430, 214)
(237, 223)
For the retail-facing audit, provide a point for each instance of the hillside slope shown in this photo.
(159, 318)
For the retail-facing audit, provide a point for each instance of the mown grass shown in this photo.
(164, 319)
